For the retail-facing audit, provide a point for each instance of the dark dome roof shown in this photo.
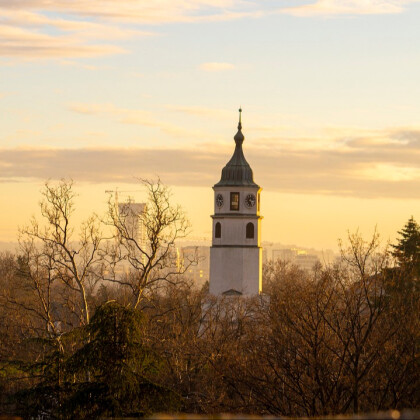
(237, 171)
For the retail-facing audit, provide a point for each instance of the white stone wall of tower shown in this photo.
(234, 232)
(235, 260)
(238, 269)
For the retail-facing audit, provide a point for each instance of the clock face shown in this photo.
(250, 200)
(219, 200)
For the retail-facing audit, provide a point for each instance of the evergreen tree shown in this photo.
(119, 368)
(407, 250)
(113, 374)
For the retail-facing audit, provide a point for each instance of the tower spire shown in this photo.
(237, 171)
(239, 137)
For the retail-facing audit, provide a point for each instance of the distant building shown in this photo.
(132, 213)
(284, 254)
(306, 261)
(195, 260)
(264, 256)
(299, 257)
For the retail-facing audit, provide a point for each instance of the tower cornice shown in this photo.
(236, 216)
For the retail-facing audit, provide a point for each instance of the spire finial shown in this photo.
(240, 118)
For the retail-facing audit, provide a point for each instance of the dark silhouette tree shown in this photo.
(407, 249)
(121, 368)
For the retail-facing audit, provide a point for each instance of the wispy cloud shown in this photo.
(349, 7)
(84, 28)
(29, 44)
(123, 115)
(70, 63)
(353, 166)
(143, 11)
(132, 116)
(201, 111)
(40, 29)
(31, 34)
(34, 29)
(214, 66)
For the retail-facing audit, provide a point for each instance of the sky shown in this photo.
(111, 91)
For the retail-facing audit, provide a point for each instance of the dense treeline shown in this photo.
(81, 338)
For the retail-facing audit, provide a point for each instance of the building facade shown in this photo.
(131, 213)
(236, 253)
(199, 271)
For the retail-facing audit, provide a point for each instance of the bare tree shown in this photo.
(55, 273)
(152, 257)
(321, 340)
(53, 254)
(358, 323)
(174, 317)
(36, 268)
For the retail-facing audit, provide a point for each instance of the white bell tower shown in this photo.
(236, 254)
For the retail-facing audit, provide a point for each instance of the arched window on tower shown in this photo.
(250, 230)
(218, 230)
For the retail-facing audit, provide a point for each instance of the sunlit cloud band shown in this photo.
(360, 167)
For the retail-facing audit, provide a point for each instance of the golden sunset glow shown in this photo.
(134, 89)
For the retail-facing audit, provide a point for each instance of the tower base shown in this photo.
(235, 270)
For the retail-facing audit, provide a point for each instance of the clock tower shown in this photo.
(236, 254)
